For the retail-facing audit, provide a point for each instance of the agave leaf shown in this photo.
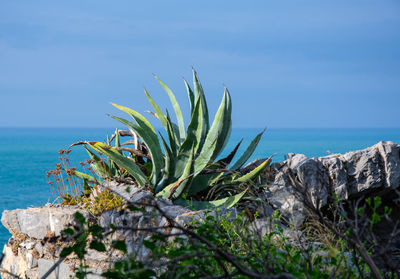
(175, 189)
(215, 180)
(249, 151)
(86, 177)
(168, 170)
(111, 165)
(194, 135)
(191, 96)
(139, 118)
(199, 94)
(176, 107)
(117, 144)
(254, 173)
(210, 174)
(172, 140)
(169, 191)
(228, 159)
(157, 110)
(152, 143)
(227, 202)
(226, 134)
(101, 168)
(186, 176)
(122, 162)
(180, 164)
(117, 141)
(223, 124)
(216, 135)
(173, 135)
(201, 182)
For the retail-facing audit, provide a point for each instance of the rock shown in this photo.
(123, 190)
(372, 170)
(142, 197)
(63, 271)
(31, 261)
(188, 217)
(337, 175)
(363, 170)
(15, 264)
(173, 211)
(37, 222)
(28, 245)
(39, 249)
(390, 154)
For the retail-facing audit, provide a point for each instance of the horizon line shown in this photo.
(160, 127)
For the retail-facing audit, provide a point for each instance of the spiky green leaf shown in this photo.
(216, 135)
(249, 151)
(195, 132)
(173, 135)
(117, 140)
(85, 176)
(169, 166)
(228, 159)
(254, 173)
(192, 99)
(151, 140)
(174, 190)
(201, 182)
(176, 107)
(199, 93)
(157, 111)
(99, 167)
(122, 162)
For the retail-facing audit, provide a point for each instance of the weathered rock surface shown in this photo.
(372, 171)
(37, 222)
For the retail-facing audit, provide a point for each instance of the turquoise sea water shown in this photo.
(26, 154)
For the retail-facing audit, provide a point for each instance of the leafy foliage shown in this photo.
(221, 246)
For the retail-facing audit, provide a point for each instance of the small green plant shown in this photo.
(185, 168)
(99, 201)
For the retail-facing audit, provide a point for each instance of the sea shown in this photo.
(27, 153)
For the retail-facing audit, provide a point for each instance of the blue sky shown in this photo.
(286, 63)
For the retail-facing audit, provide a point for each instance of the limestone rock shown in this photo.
(63, 271)
(15, 264)
(372, 170)
(37, 222)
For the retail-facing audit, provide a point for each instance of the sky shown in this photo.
(287, 64)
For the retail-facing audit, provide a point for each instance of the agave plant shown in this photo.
(185, 165)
